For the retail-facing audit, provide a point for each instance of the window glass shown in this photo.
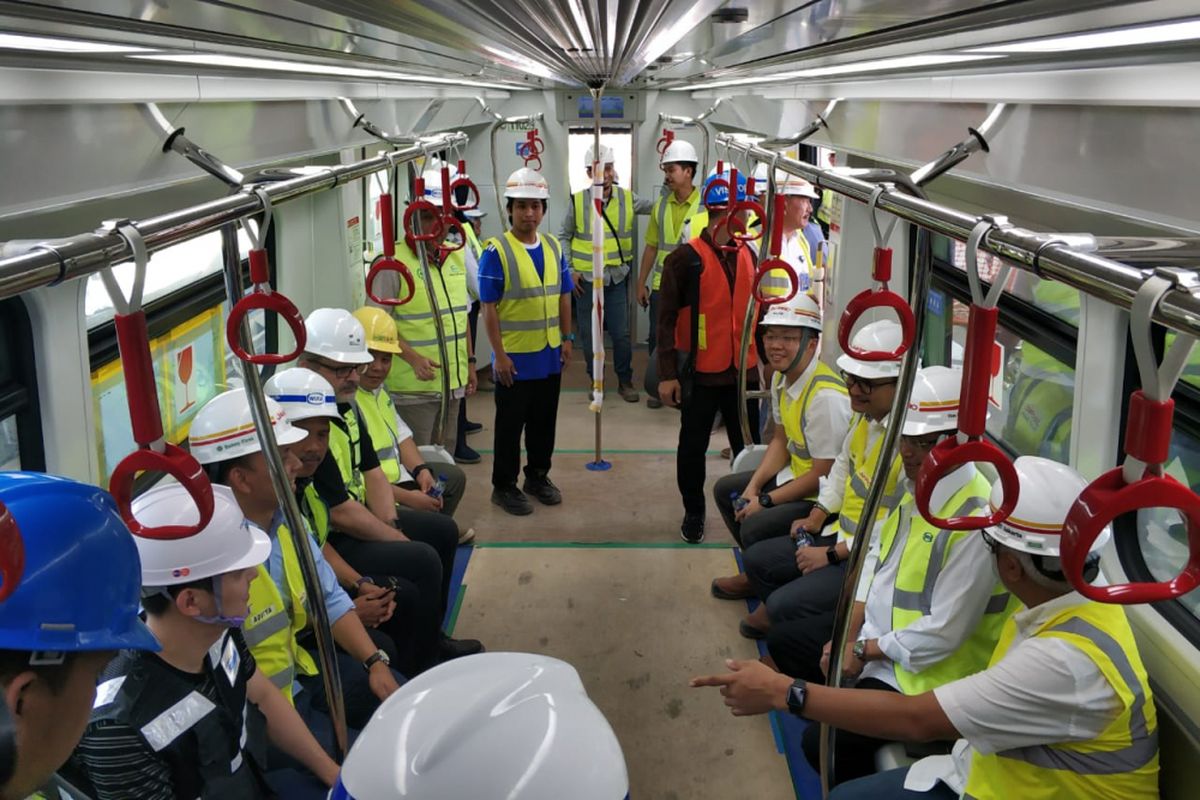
(1032, 396)
(10, 450)
(1163, 532)
(622, 146)
(169, 269)
(1056, 299)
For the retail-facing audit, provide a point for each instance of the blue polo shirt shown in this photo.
(529, 366)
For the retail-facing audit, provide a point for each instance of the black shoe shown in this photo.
(457, 648)
(465, 454)
(653, 402)
(512, 501)
(692, 529)
(750, 632)
(472, 427)
(546, 492)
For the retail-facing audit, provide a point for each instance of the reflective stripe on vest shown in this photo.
(721, 311)
(794, 412)
(695, 219)
(416, 326)
(379, 414)
(528, 310)
(923, 553)
(1121, 762)
(614, 247)
(344, 446)
(861, 467)
(176, 720)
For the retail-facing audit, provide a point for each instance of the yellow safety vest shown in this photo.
(272, 623)
(344, 446)
(614, 246)
(415, 324)
(1120, 763)
(472, 240)
(528, 311)
(776, 282)
(379, 414)
(926, 551)
(316, 512)
(858, 480)
(824, 212)
(1040, 406)
(670, 235)
(794, 411)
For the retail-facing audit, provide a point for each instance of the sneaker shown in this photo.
(628, 393)
(692, 529)
(472, 427)
(653, 402)
(546, 492)
(467, 536)
(465, 454)
(512, 501)
(457, 648)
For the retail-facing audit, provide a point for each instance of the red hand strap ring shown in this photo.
(1139, 482)
(412, 228)
(154, 453)
(532, 149)
(774, 262)
(749, 205)
(386, 261)
(665, 142)
(970, 445)
(263, 297)
(878, 298)
(12, 554)
(461, 182)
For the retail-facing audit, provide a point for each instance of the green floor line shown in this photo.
(458, 603)
(601, 546)
(618, 452)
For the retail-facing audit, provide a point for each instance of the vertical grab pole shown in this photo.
(291, 511)
(495, 175)
(768, 221)
(597, 320)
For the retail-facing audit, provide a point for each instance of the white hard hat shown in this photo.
(933, 404)
(433, 184)
(606, 155)
(801, 311)
(788, 184)
(760, 178)
(526, 184)
(335, 334)
(1048, 490)
(679, 151)
(224, 428)
(303, 394)
(512, 725)
(226, 544)
(884, 335)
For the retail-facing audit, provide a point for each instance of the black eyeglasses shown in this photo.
(341, 372)
(867, 386)
(922, 442)
(991, 543)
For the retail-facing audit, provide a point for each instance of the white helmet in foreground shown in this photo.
(933, 404)
(526, 184)
(1048, 490)
(335, 334)
(303, 394)
(224, 428)
(606, 155)
(801, 311)
(512, 725)
(884, 335)
(679, 151)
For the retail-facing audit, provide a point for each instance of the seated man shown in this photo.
(800, 586)
(223, 438)
(362, 505)
(196, 592)
(63, 616)
(1063, 709)
(411, 478)
(409, 613)
(812, 415)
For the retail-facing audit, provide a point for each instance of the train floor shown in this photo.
(604, 582)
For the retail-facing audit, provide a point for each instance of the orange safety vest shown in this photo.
(721, 313)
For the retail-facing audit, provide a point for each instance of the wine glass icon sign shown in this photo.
(185, 375)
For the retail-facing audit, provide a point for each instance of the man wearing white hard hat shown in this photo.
(800, 586)
(675, 218)
(1064, 707)
(525, 288)
(415, 379)
(620, 207)
(196, 592)
(473, 228)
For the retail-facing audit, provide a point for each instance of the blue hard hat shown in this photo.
(81, 580)
(718, 195)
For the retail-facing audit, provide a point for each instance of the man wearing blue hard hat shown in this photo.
(706, 287)
(69, 585)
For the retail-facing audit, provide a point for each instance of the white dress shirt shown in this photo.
(1044, 691)
(826, 420)
(833, 486)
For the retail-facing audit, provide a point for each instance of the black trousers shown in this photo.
(698, 414)
(473, 323)
(854, 754)
(530, 407)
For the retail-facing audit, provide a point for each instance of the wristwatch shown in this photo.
(860, 650)
(375, 658)
(568, 337)
(418, 469)
(832, 554)
(797, 694)
(765, 500)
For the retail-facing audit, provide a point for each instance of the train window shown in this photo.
(170, 269)
(10, 448)
(20, 418)
(1052, 297)
(582, 138)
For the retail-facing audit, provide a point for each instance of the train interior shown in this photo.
(1072, 118)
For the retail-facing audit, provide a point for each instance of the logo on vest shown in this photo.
(928, 537)
(260, 616)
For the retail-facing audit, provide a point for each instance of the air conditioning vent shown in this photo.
(724, 16)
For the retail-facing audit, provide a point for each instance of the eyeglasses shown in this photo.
(865, 385)
(339, 371)
(922, 442)
(773, 338)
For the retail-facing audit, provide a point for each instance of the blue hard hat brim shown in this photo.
(137, 637)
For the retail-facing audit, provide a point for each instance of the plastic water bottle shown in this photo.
(439, 488)
(738, 501)
(803, 539)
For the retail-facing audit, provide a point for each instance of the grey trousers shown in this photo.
(766, 524)
(456, 484)
(423, 418)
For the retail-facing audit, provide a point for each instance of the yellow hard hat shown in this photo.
(380, 329)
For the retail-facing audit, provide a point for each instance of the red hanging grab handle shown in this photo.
(746, 205)
(532, 149)
(454, 236)
(665, 141)
(971, 445)
(881, 297)
(435, 232)
(387, 261)
(12, 554)
(774, 262)
(154, 453)
(462, 181)
(1139, 482)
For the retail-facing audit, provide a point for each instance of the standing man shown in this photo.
(675, 218)
(525, 289)
(620, 206)
(473, 228)
(1064, 708)
(797, 212)
(825, 211)
(705, 291)
(65, 615)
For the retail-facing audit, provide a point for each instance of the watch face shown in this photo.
(764, 500)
